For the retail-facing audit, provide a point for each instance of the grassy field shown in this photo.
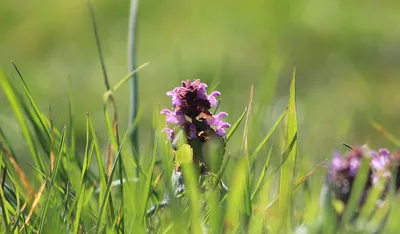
(346, 59)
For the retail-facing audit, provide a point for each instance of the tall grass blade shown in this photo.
(132, 36)
(265, 139)
(192, 189)
(98, 45)
(385, 133)
(16, 105)
(32, 101)
(262, 175)
(53, 177)
(6, 217)
(288, 168)
(356, 192)
(35, 203)
(235, 125)
(147, 187)
(109, 183)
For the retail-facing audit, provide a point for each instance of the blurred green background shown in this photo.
(347, 55)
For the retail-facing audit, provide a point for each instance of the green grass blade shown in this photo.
(386, 134)
(53, 177)
(265, 139)
(32, 101)
(298, 182)
(370, 205)
(262, 175)
(192, 189)
(6, 218)
(235, 202)
(235, 125)
(16, 105)
(357, 191)
(100, 164)
(121, 187)
(85, 168)
(147, 188)
(71, 123)
(287, 170)
(122, 82)
(109, 183)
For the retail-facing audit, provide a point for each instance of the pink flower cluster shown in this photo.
(191, 110)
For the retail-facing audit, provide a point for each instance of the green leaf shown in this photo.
(184, 155)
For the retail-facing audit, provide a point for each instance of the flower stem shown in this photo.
(131, 68)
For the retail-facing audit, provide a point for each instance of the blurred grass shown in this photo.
(346, 54)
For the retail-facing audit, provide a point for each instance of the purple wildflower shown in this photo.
(191, 110)
(381, 164)
(343, 171)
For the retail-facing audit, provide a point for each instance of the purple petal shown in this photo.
(201, 90)
(384, 152)
(170, 133)
(221, 132)
(217, 119)
(176, 101)
(337, 162)
(211, 98)
(174, 117)
(224, 125)
(166, 112)
(221, 115)
(354, 164)
(221, 128)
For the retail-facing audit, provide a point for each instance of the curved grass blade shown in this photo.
(265, 139)
(22, 177)
(235, 125)
(32, 101)
(262, 175)
(110, 91)
(16, 105)
(298, 182)
(35, 203)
